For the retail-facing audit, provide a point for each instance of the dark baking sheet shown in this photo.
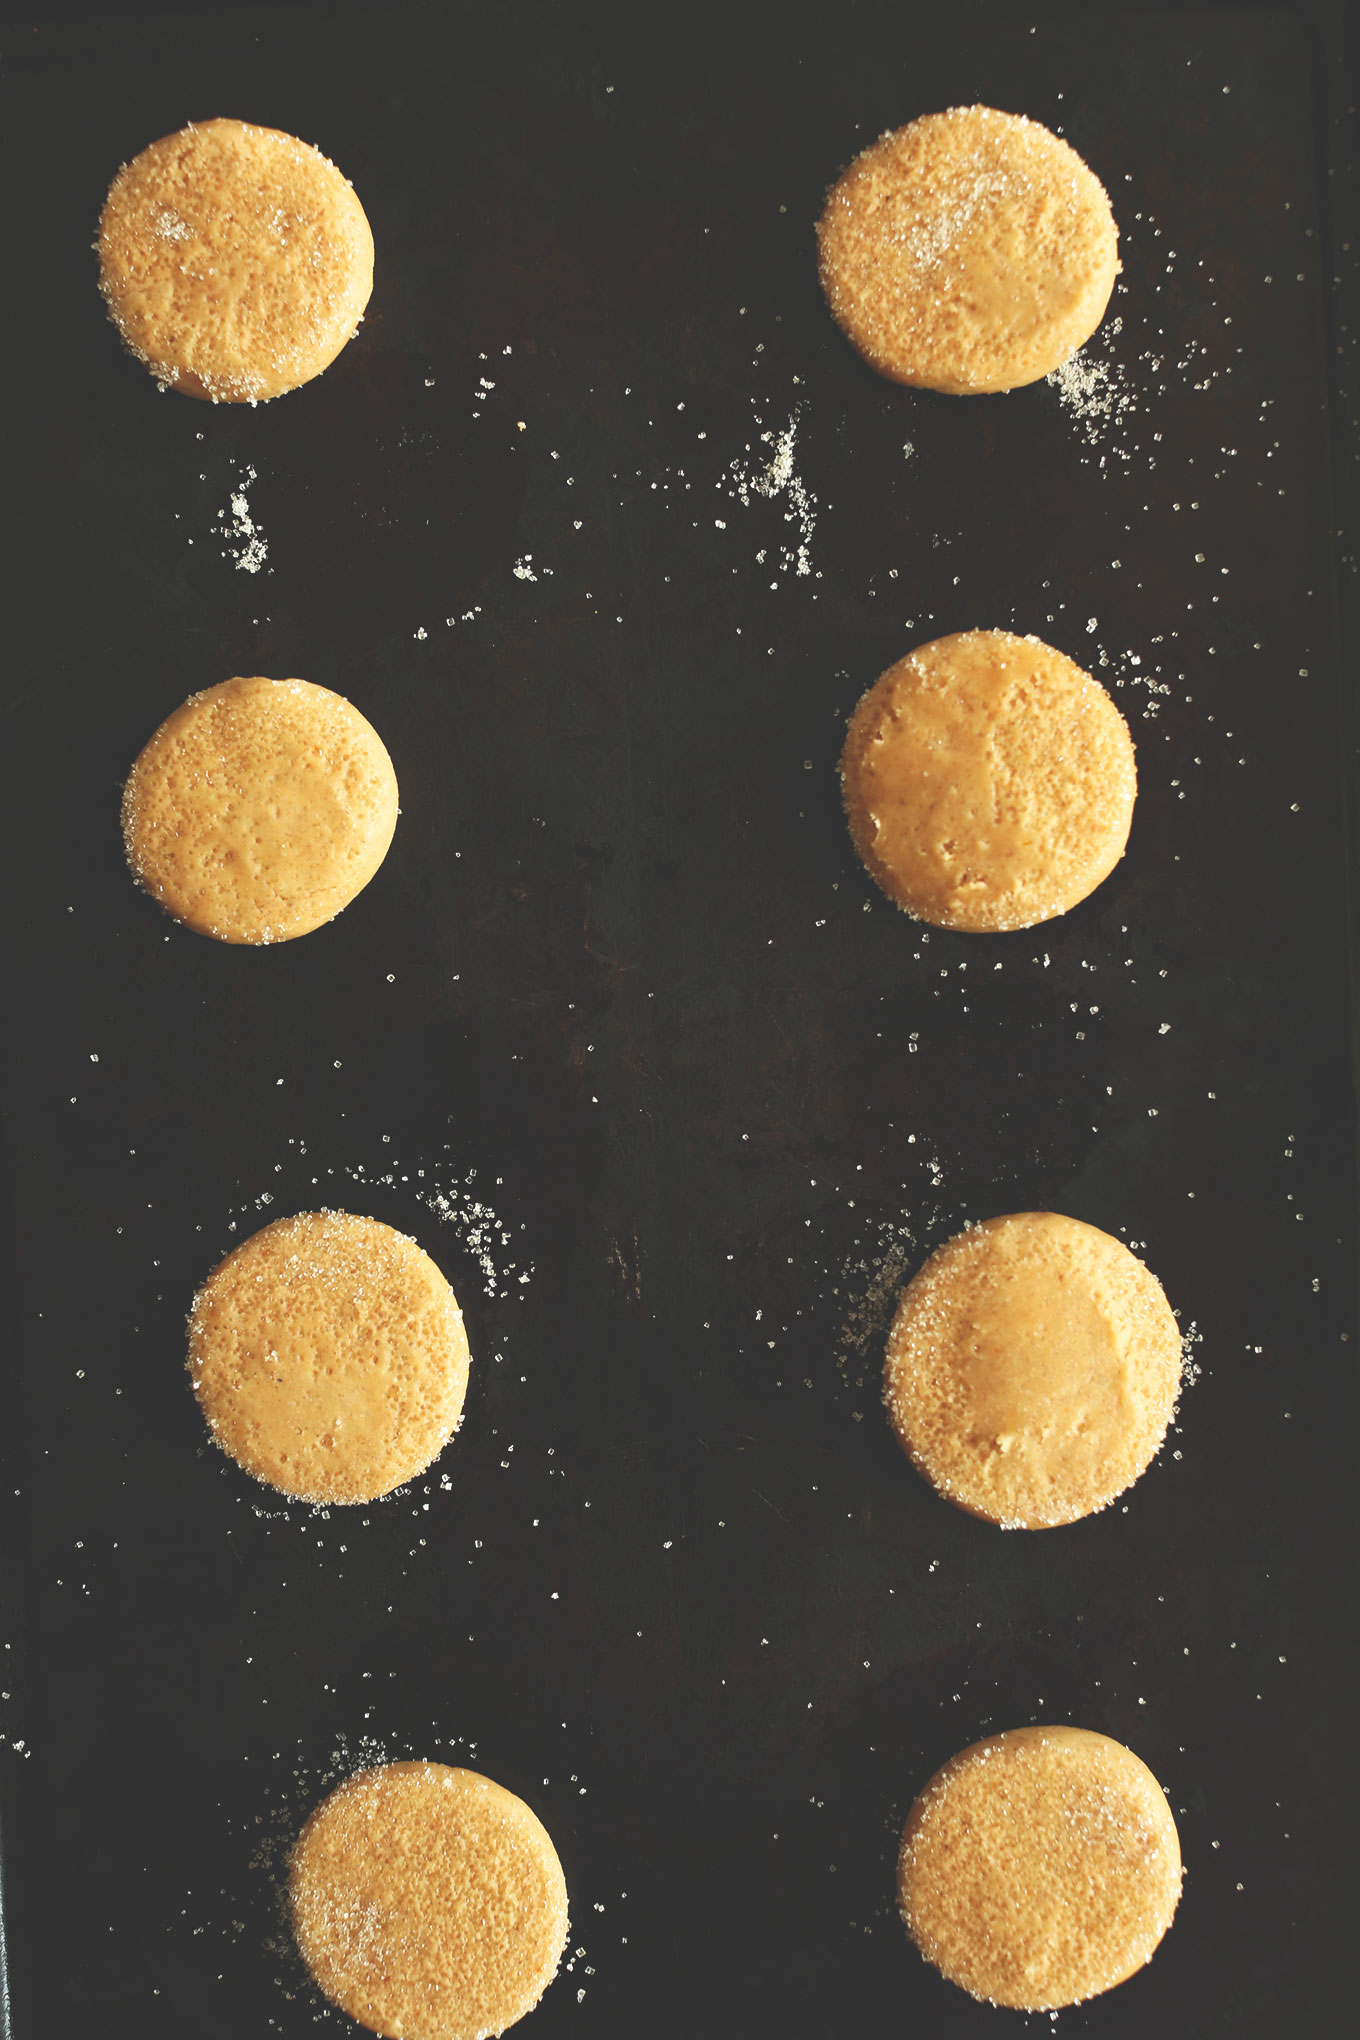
(621, 1014)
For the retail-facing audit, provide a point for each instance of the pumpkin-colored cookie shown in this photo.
(329, 1357)
(259, 809)
(988, 781)
(428, 1903)
(970, 251)
(1040, 1867)
(236, 261)
(1032, 1369)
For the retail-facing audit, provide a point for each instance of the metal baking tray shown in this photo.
(625, 1037)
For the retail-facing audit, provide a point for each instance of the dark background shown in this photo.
(622, 993)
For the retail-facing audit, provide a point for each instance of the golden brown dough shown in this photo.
(235, 261)
(329, 1357)
(1040, 1867)
(259, 809)
(1032, 1369)
(970, 251)
(428, 1903)
(988, 781)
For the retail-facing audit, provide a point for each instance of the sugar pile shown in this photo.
(244, 542)
(752, 474)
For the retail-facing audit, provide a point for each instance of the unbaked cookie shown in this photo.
(428, 1902)
(329, 1358)
(1040, 1867)
(988, 782)
(259, 809)
(970, 251)
(1032, 1369)
(236, 261)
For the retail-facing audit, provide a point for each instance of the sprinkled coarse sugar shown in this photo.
(481, 1233)
(460, 1197)
(752, 475)
(244, 542)
(1096, 393)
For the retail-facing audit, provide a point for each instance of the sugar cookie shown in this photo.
(259, 809)
(428, 1902)
(969, 252)
(329, 1358)
(988, 782)
(1032, 1369)
(235, 261)
(1040, 1867)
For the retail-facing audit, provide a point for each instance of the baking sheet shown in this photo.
(623, 1035)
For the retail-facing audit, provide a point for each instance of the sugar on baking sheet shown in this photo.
(244, 542)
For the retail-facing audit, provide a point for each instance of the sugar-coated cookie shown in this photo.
(236, 261)
(259, 809)
(988, 782)
(329, 1357)
(1032, 1369)
(1040, 1867)
(428, 1903)
(969, 252)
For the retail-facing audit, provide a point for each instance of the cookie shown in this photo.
(1040, 1867)
(988, 782)
(970, 251)
(329, 1358)
(259, 809)
(1032, 1369)
(428, 1902)
(235, 261)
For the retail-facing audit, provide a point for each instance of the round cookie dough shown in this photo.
(235, 261)
(329, 1357)
(1040, 1867)
(969, 252)
(988, 782)
(1032, 1369)
(428, 1902)
(259, 809)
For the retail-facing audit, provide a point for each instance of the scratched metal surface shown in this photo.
(621, 1015)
